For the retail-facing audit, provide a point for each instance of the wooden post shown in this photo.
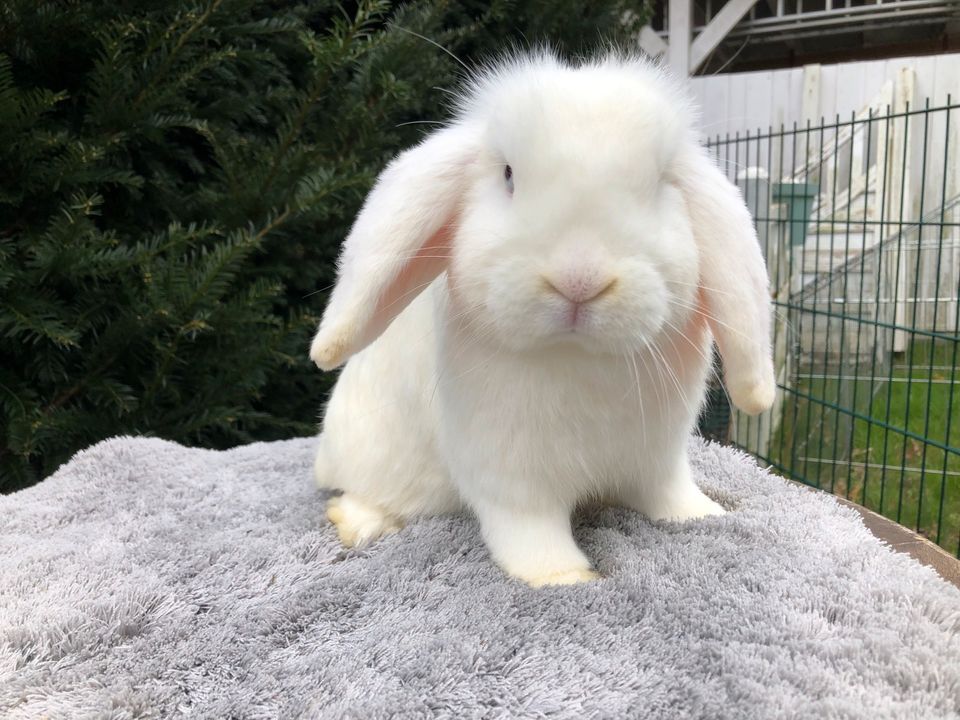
(680, 30)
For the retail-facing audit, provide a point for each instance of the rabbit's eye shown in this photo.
(508, 178)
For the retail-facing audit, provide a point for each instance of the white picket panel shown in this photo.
(739, 101)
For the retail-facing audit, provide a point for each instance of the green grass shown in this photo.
(884, 468)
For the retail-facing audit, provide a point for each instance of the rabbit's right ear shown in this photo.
(733, 278)
(400, 242)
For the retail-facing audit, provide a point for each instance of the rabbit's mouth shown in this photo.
(576, 318)
(602, 317)
(612, 319)
(598, 330)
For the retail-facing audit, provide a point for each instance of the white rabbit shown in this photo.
(579, 252)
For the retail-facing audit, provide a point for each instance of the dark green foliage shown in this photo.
(177, 177)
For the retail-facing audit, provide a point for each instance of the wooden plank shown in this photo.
(715, 111)
(795, 81)
(779, 104)
(697, 88)
(651, 43)
(802, 93)
(721, 24)
(947, 78)
(930, 77)
(757, 101)
(737, 90)
(680, 23)
(925, 69)
(828, 93)
(810, 102)
(947, 88)
(851, 92)
(757, 116)
(873, 79)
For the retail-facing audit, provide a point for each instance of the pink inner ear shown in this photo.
(417, 273)
(704, 316)
(685, 351)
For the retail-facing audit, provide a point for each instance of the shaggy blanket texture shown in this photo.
(145, 579)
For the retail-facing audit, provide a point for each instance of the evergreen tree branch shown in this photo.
(172, 55)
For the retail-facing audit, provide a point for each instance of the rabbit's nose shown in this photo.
(580, 288)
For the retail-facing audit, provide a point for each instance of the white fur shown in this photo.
(561, 352)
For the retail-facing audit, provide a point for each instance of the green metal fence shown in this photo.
(859, 220)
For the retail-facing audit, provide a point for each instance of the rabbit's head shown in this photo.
(568, 205)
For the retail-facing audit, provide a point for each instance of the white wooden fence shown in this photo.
(768, 98)
(758, 102)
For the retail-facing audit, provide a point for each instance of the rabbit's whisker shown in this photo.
(432, 42)
(323, 289)
(420, 122)
(660, 360)
(636, 374)
(703, 312)
(659, 385)
(699, 286)
(712, 371)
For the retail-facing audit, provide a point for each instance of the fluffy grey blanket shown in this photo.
(145, 579)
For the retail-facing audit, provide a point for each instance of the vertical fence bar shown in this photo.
(786, 247)
(811, 397)
(745, 169)
(933, 326)
(817, 403)
(799, 341)
(860, 320)
(758, 183)
(845, 265)
(825, 404)
(896, 300)
(953, 358)
(911, 347)
(768, 237)
(881, 251)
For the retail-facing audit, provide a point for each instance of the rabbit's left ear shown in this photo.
(733, 278)
(400, 242)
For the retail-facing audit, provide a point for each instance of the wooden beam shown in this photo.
(679, 24)
(651, 43)
(711, 36)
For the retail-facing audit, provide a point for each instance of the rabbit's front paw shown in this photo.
(567, 577)
(676, 497)
(693, 506)
(535, 547)
(684, 502)
(358, 522)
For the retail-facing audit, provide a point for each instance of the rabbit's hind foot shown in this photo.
(358, 522)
